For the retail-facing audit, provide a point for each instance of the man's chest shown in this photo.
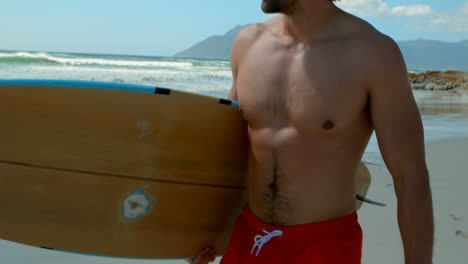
(310, 89)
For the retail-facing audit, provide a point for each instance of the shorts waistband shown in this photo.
(334, 227)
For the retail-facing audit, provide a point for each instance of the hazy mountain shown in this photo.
(419, 54)
(435, 55)
(215, 47)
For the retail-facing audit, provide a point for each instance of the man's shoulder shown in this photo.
(376, 53)
(378, 44)
(362, 32)
(371, 47)
(250, 33)
(380, 52)
(381, 60)
(375, 44)
(244, 40)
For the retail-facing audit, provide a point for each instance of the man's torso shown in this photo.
(307, 109)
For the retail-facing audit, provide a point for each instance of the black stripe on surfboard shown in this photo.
(48, 248)
(369, 201)
(225, 101)
(163, 91)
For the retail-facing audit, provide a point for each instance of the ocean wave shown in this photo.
(41, 57)
(24, 57)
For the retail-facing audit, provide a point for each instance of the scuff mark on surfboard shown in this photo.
(137, 204)
(39, 188)
(145, 128)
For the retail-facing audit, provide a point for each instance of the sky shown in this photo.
(163, 28)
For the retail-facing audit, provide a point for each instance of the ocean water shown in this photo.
(444, 114)
(200, 76)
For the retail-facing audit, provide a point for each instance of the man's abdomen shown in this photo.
(295, 180)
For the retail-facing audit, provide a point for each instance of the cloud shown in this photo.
(377, 8)
(414, 10)
(456, 22)
(365, 8)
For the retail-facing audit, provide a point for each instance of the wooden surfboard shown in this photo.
(121, 170)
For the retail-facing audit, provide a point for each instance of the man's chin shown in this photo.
(270, 11)
(269, 8)
(276, 6)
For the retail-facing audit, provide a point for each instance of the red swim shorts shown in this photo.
(330, 242)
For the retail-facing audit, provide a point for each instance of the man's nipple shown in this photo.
(328, 125)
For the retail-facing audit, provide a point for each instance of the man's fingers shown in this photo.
(205, 256)
(211, 254)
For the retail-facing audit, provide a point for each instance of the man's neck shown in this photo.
(309, 19)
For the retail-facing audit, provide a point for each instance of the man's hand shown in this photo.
(205, 256)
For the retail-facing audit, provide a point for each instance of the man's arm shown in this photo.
(241, 45)
(237, 49)
(400, 135)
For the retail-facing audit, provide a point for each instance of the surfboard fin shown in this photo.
(364, 199)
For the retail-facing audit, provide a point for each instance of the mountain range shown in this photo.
(419, 54)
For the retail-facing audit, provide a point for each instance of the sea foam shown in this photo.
(33, 57)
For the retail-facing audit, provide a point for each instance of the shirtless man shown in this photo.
(313, 83)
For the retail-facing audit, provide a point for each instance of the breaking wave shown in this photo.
(102, 60)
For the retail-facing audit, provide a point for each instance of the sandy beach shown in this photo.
(448, 167)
